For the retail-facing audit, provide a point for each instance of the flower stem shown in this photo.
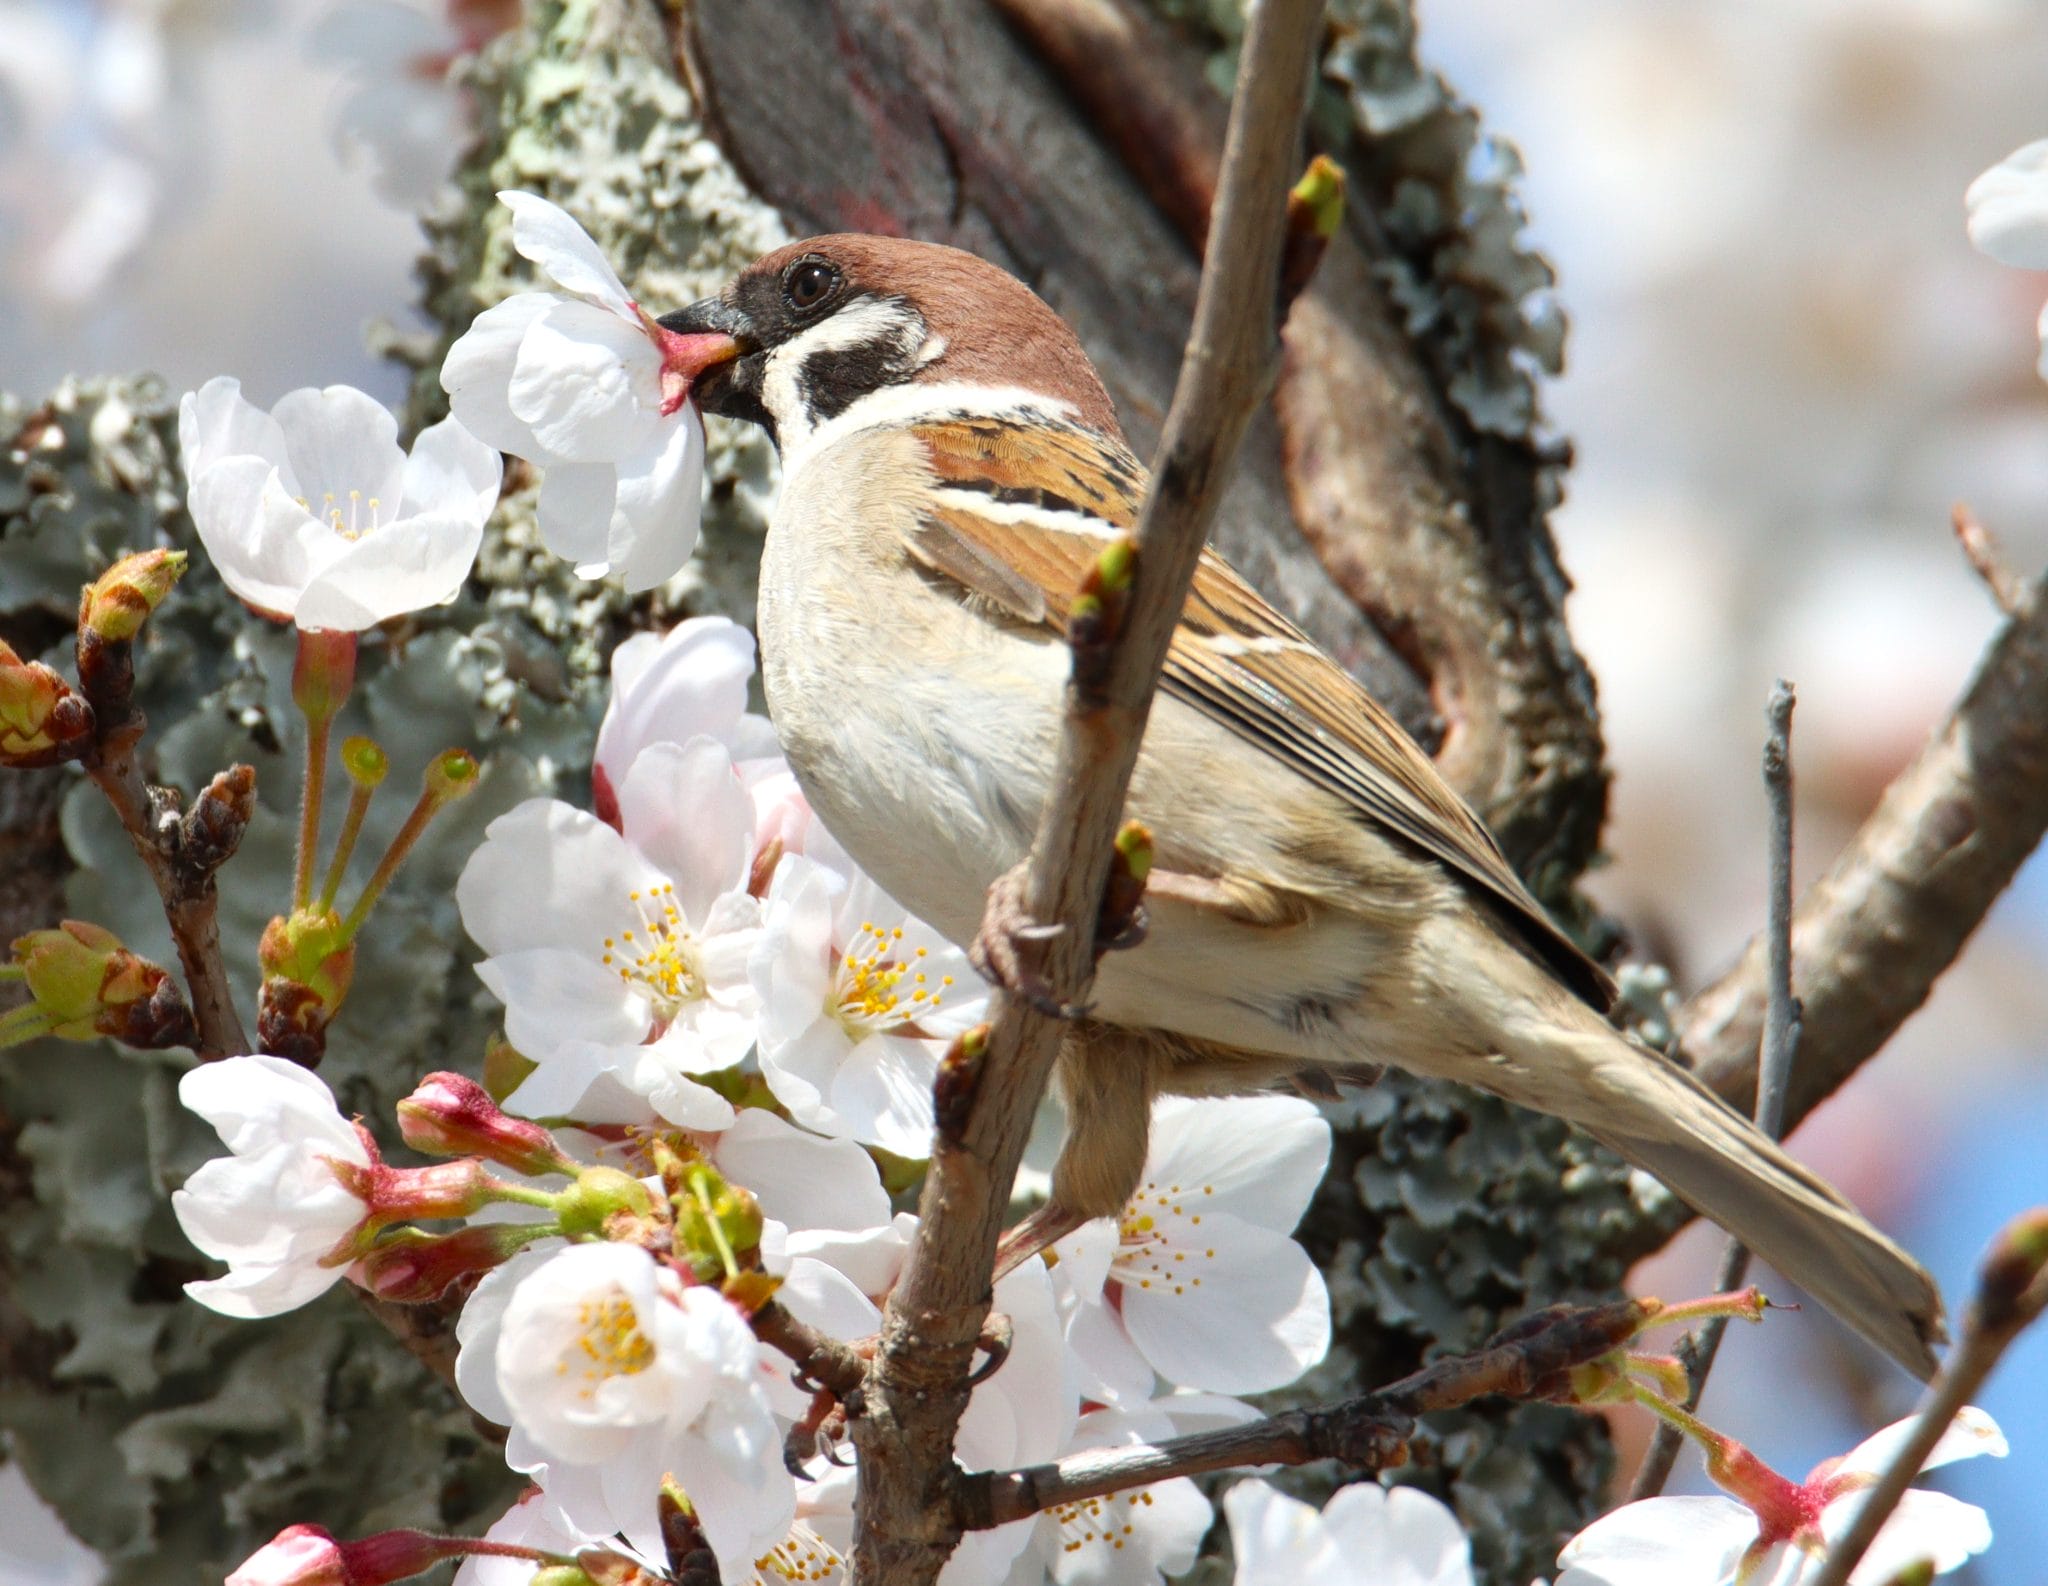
(701, 1192)
(452, 776)
(25, 1023)
(322, 675)
(345, 845)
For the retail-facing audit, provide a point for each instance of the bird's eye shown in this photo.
(809, 283)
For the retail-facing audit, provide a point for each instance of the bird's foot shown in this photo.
(1009, 949)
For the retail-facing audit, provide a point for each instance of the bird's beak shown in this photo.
(695, 342)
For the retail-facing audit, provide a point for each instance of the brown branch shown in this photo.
(1780, 1049)
(2012, 1291)
(181, 855)
(1980, 549)
(905, 1522)
(1873, 935)
(1367, 1433)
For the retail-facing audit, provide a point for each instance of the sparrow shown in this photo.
(1320, 899)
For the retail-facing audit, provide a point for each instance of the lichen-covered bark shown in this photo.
(175, 1440)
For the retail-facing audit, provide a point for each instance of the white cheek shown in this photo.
(872, 322)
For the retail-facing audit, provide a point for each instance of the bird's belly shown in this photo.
(932, 782)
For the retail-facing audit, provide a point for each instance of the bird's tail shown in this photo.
(1555, 1054)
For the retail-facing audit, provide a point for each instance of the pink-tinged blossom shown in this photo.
(1389, 1536)
(690, 682)
(621, 957)
(584, 383)
(313, 514)
(1774, 1532)
(1199, 1280)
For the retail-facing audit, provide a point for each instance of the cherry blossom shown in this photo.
(2008, 216)
(612, 1376)
(584, 383)
(276, 1210)
(858, 1001)
(621, 958)
(314, 515)
(36, 1548)
(1199, 1279)
(1775, 1532)
(1389, 1536)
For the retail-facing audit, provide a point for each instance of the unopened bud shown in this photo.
(957, 1083)
(83, 983)
(2012, 1266)
(43, 721)
(115, 606)
(309, 949)
(452, 1115)
(415, 1268)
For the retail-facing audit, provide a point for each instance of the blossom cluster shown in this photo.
(716, 1088)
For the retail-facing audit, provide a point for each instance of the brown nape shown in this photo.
(998, 331)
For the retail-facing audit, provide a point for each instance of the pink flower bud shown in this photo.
(421, 1268)
(299, 1555)
(450, 1115)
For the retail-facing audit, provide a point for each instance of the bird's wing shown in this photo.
(1020, 516)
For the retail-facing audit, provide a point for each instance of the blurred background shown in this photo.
(1786, 365)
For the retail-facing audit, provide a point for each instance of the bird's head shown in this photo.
(805, 333)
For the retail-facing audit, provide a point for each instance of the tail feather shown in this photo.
(1548, 1051)
(1720, 1164)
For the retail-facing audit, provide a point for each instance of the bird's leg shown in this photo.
(1038, 1232)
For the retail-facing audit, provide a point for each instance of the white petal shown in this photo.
(255, 1102)
(1251, 1316)
(265, 548)
(588, 384)
(1108, 1367)
(451, 470)
(800, 1179)
(555, 996)
(250, 1293)
(341, 440)
(549, 236)
(1399, 1536)
(660, 500)
(1663, 1542)
(1971, 1433)
(550, 875)
(823, 1297)
(575, 512)
(685, 810)
(882, 1093)
(1263, 1156)
(1278, 1540)
(1925, 1525)
(217, 422)
(404, 566)
(672, 688)
(2008, 208)
(477, 373)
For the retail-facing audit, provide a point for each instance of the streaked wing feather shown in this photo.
(1021, 522)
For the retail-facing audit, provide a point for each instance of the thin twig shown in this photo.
(2012, 1291)
(1780, 1049)
(1367, 1433)
(918, 1385)
(1873, 935)
(2011, 592)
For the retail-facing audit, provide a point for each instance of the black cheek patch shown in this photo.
(834, 379)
